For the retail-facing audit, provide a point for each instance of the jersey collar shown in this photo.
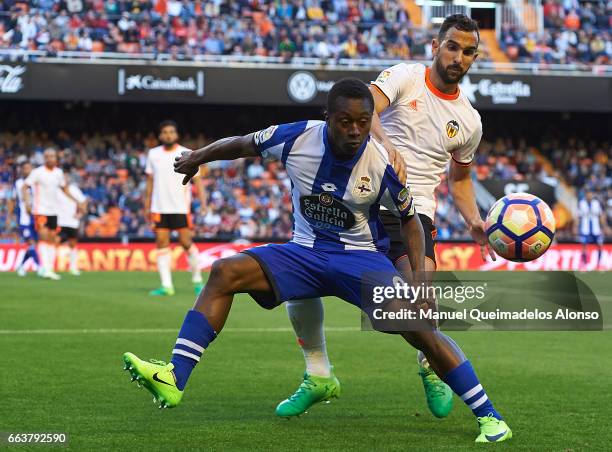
(351, 162)
(435, 91)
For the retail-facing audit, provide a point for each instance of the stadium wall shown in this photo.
(450, 256)
(240, 85)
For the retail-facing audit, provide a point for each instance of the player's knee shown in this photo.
(224, 272)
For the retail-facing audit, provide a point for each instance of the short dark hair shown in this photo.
(350, 88)
(167, 123)
(460, 22)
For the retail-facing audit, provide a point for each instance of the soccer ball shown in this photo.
(520, 227)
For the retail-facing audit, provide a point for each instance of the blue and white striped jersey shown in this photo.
(335, 202)
(22, 214)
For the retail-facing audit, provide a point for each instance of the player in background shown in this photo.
(591, 217)
(339, 179)
(46, 182)
(17, 205)
(426, 122)
(68, 219)
(168, 203)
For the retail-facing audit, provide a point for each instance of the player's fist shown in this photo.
(187, 164)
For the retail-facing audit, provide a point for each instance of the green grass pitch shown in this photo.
(62, 343)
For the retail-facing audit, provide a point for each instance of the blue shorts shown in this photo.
(295, 272)
(587, 239)
(28, 232)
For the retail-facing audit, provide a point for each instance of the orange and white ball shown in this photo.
(520, 227)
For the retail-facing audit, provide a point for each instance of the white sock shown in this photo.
(164, 266)
(51, 252)
(194, 264)
(307, 319)
(42, 255)
(74, 254)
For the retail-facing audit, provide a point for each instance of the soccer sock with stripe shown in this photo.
(44, 255)
(307, 319)
(195, 335)
(52, 251)
(464, 382)
(74, 254)
(164, 266)
(194, 265)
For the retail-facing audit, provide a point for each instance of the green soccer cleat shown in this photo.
(197, 287)
(439, 395)
(313, 390)
(157, 377)
(162, 292)
(492, 430)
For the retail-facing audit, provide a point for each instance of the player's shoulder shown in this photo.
(471, 114)
(377, 153)
(155, 150)
(400, 70)
(281, 133)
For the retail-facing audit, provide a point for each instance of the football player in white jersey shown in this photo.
(46, 182)
(24, 220)
(68, 219)
(591, 217)
(339, 179)
(168, 204)
(426, 122)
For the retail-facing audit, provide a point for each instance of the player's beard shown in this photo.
(168, 145)
(447, 77)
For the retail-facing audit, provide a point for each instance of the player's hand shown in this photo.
(478, 233)
(187, 164)
(29, 209)
(398, 164)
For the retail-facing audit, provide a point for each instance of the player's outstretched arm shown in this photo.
(230, 148)
(462, 189)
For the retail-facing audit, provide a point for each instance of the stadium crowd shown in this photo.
(184, 29)
(574, 32)
(251, 198)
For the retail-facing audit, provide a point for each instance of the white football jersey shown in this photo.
(169, 194)
(46, 186)
(67, 212)
(427, 127)
(590, 213)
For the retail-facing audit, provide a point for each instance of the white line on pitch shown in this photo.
(164, 330)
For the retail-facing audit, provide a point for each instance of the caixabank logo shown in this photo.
(11, 80)
(498, 91)
(133, 81)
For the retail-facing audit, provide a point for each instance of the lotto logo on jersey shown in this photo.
(452, 128)
(384, 75)
(264, 135)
